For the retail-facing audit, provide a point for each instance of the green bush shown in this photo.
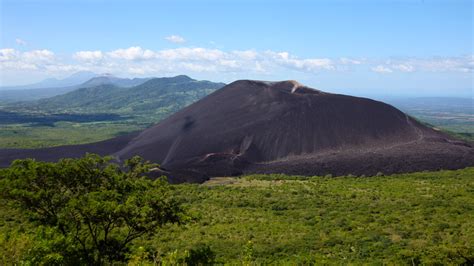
(202, 254)
(88, 210)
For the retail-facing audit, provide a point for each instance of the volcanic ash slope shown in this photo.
(284, 127)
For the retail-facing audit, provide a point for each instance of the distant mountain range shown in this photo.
(112, 80)
(52, 87)
(74, 79)
(152, 98)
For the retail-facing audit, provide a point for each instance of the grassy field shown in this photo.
(48, 132)
(62, 133)
(419, 218)
(31, 129)
(452, 115)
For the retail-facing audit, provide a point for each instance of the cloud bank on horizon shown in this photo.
(136, 60)
(208, 62)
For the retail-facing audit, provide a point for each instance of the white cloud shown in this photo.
(132, 53)
(349, 61)
(196, 67)
(38, 56)
(31, 60)
(137, 60)
(133, 61)
(20, 42)
(246, 55)
(381, 69)
(445, 64)
(309, 64)
(88, 55)
(404, 67)
(433, 64)
(137, 70)
(64, 68)
(18, 65)
(191, 54)
(259, 68)
(175, 39)
(8, 54)
(11, 57)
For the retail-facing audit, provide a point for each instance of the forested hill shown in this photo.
(165, 94)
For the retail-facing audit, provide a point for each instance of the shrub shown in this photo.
(248, 255)
(202, 254)
(91, 208)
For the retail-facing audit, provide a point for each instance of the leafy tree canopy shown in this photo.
(90, 208)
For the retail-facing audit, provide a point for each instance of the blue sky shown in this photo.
(359, 47)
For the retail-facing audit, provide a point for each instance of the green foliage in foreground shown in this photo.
(88, 210)
(418, 218)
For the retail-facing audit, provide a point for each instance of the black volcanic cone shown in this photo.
(264, 127)
(278, 127)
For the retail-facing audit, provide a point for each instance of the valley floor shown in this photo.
(415, 218)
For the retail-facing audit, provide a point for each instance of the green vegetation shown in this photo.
(63, 133)
(147, 98)
(455, 116)
(418, 218)
(87, 210)
(96, 113)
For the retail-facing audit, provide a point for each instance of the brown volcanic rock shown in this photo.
(253, 126)
(280, 127)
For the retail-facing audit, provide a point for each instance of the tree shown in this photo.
(95, 205)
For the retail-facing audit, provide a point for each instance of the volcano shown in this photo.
(285, 127)
(281, 127)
